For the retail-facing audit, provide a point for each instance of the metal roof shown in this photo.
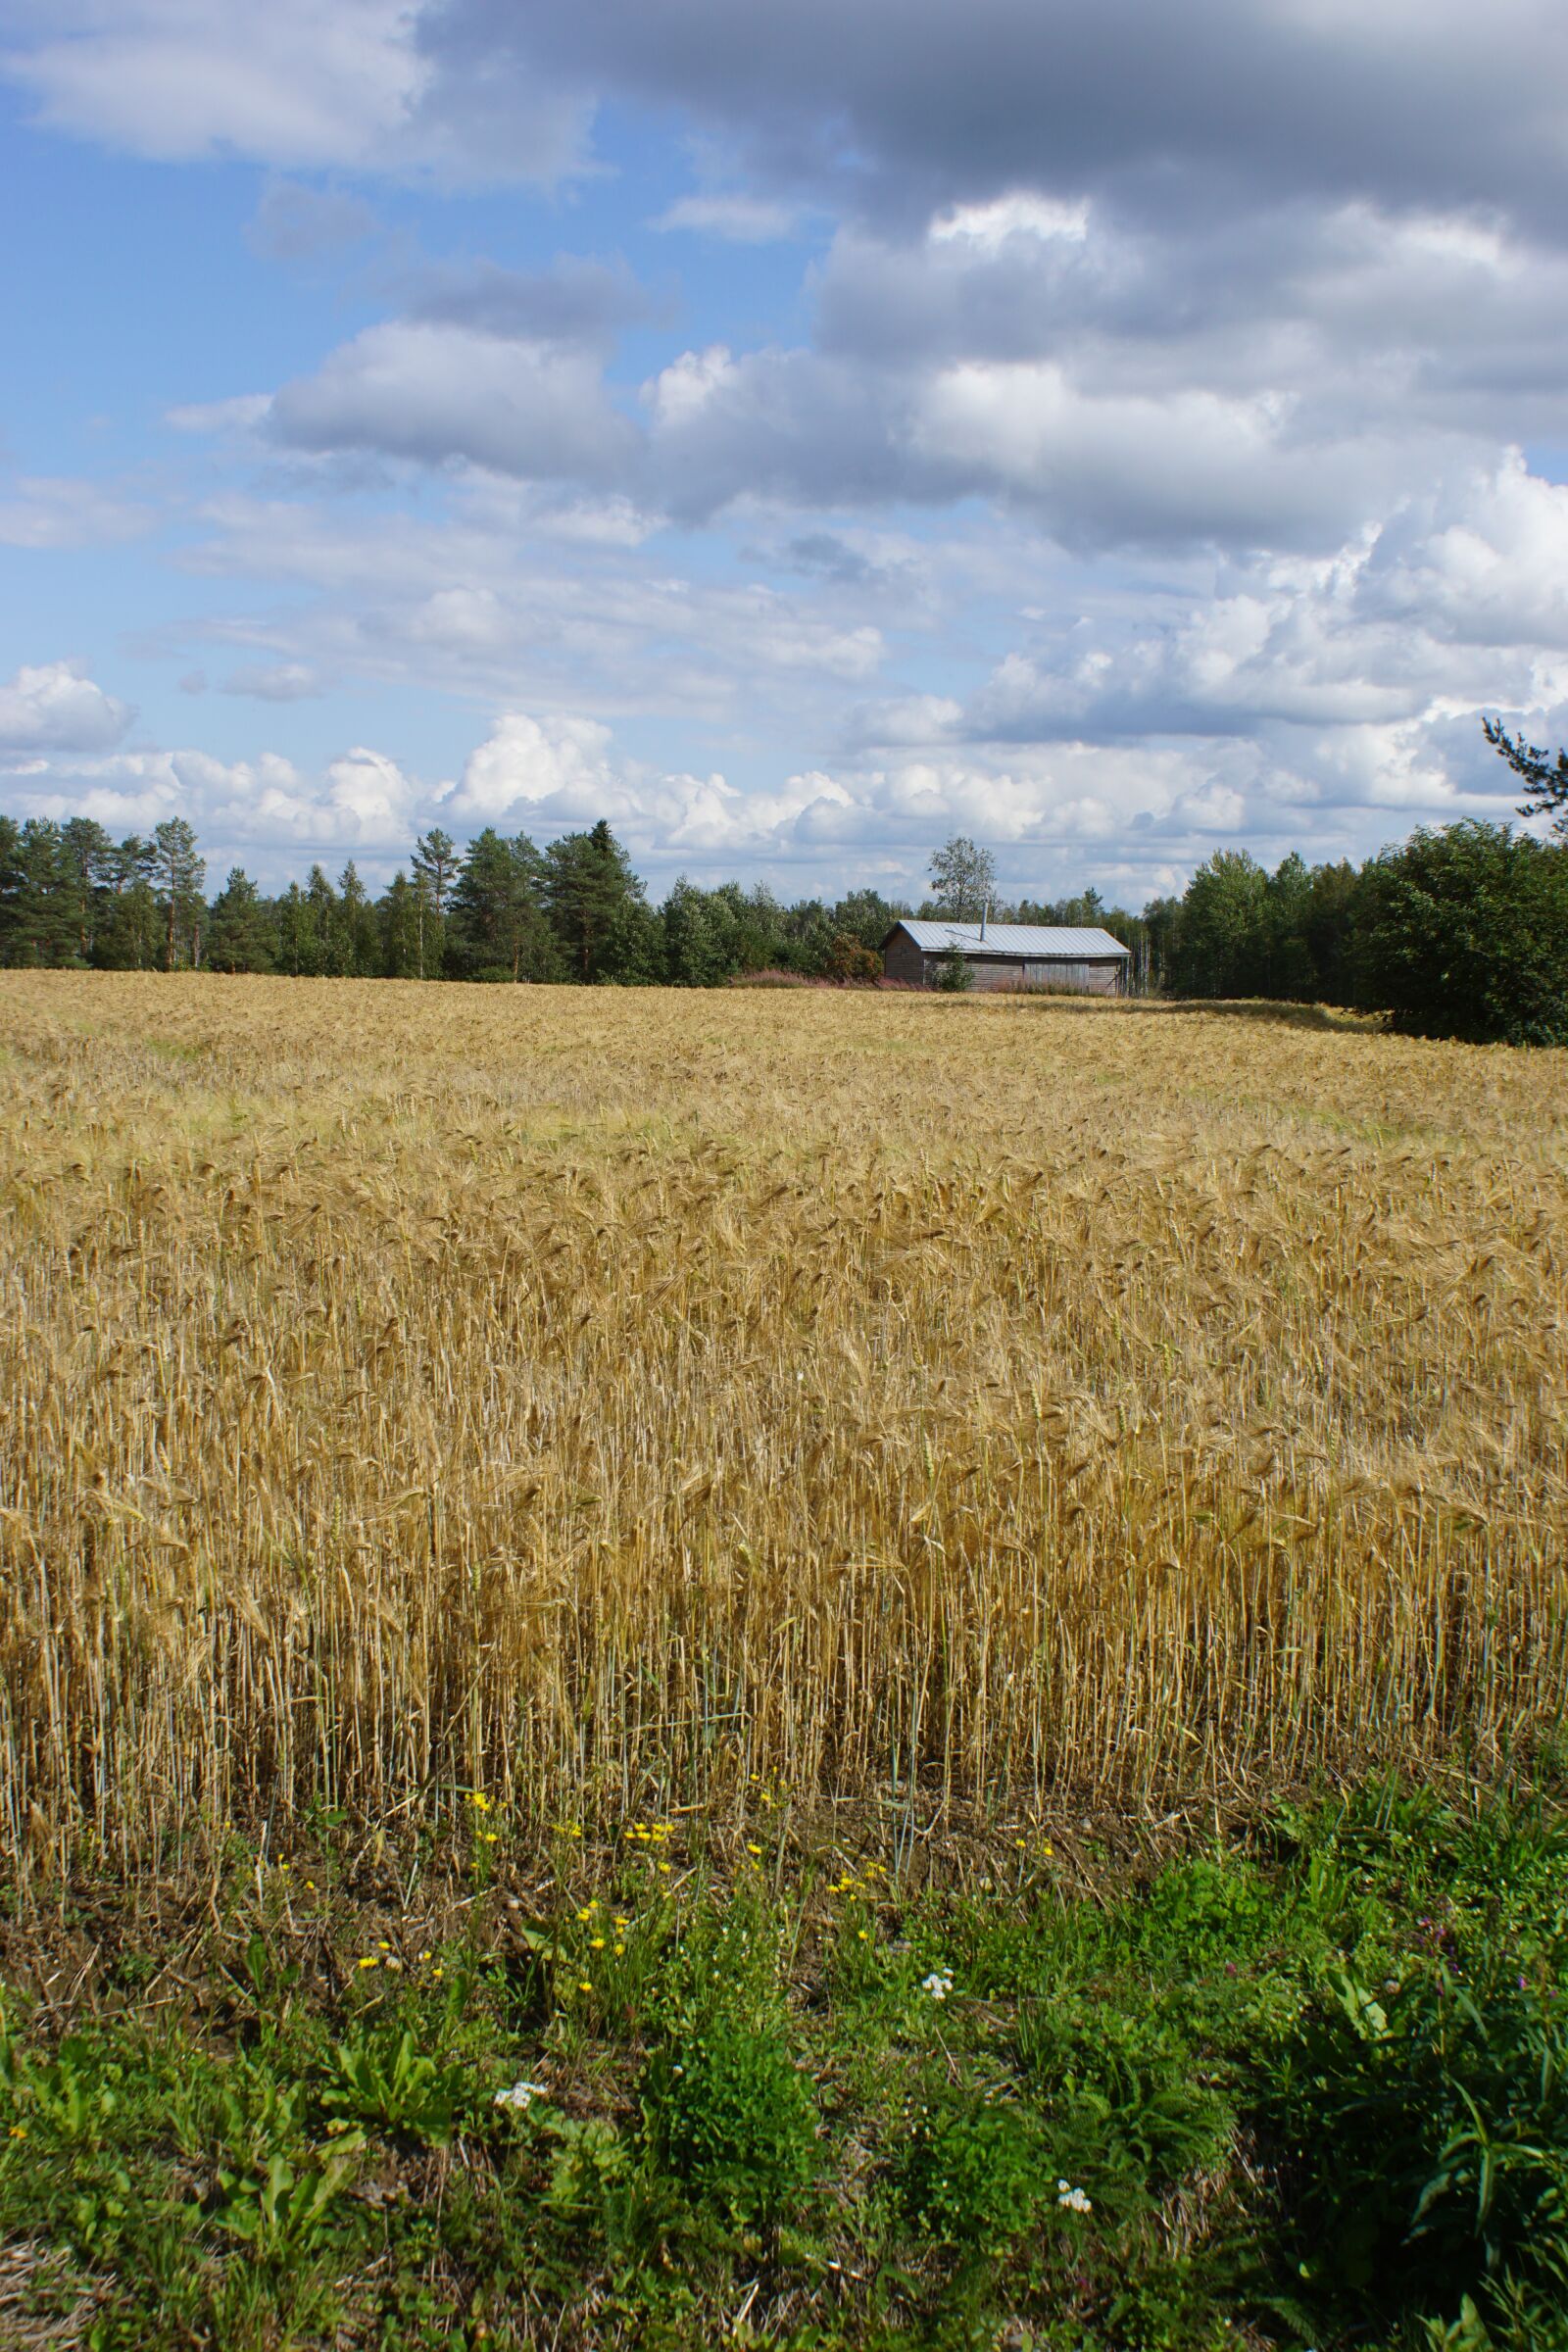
(1010, 939)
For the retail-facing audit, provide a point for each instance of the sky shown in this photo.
(1108, 430)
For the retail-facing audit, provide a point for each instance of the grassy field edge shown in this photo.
(1295, 2088)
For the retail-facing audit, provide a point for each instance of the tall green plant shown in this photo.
(1468, 936)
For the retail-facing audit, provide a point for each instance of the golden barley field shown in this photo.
(597, 1398)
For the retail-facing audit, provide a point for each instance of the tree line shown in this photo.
(500, 909)
(1459, 931)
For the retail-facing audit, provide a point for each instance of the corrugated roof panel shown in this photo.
(1010, 939)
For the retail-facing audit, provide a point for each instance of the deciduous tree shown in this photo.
(1469, 936)
(964, 877)
(1220, 947)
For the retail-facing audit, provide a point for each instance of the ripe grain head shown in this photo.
(603, 1396)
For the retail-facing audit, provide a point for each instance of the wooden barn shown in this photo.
(1012, 956)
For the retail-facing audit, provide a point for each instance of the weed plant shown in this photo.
(1305, 2092)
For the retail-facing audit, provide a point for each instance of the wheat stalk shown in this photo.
(601, 1396)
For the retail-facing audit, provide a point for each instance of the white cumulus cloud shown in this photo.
(54, 707)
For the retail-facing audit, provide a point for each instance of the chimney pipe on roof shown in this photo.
(984, 911)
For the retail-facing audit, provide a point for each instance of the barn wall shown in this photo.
(902, 960)
(1086, 978)
(1055, 974)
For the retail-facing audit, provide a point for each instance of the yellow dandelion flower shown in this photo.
(370, 1961)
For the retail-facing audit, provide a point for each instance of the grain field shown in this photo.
(600, 1397)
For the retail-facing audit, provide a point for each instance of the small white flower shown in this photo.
(1076, 2200)
(939, 1983)
(521, 2096)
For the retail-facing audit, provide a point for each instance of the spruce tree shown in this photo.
(241, 931)
(587, 882)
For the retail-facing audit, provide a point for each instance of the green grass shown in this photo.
(1308, 2091)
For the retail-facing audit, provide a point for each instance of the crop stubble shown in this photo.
(600, 1396)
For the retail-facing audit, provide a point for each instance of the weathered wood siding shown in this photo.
(902, 960)
(1053, 975)
(1086, 976)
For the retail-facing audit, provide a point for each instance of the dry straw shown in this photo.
(598, 1398)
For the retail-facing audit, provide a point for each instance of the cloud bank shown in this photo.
(1106, 430)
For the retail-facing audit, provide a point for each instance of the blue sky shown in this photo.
(1107, 432)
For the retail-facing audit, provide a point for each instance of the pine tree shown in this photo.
(127, 936)
(89, 859)
(40, 909)
(1544, 779)
(433, 864)
(180, 871)
(435, 855)
(498, 929)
